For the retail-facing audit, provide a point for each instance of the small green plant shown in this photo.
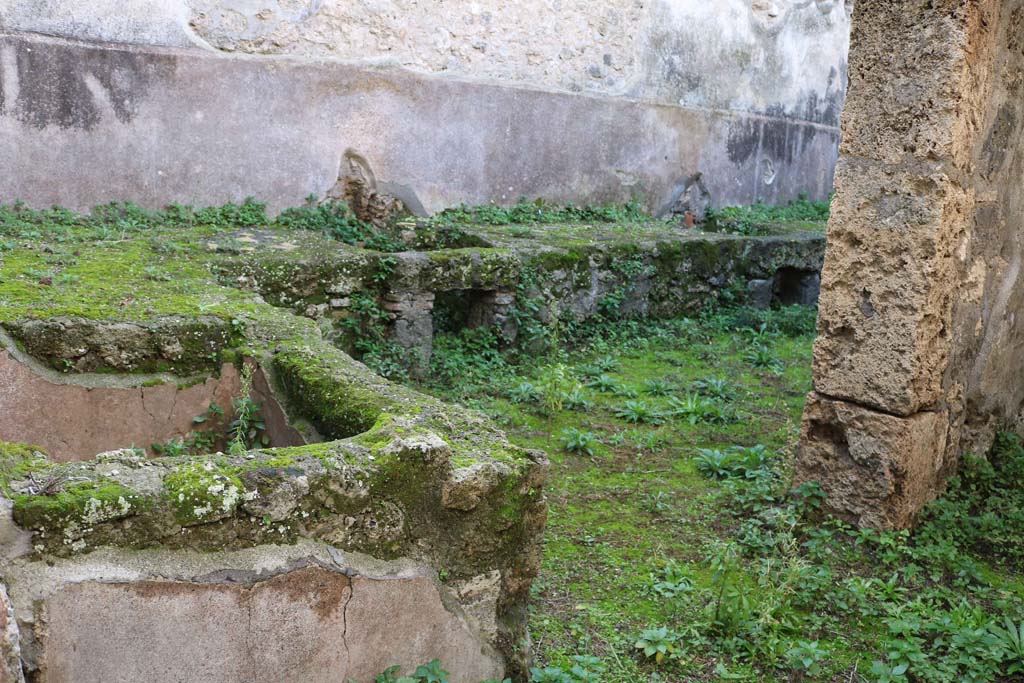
(199, 440)
(807, 656)
(469, 360)
(1010, 639)
(657, 643)
(617, 439)
(637, 412)
(694, 408)
(983, 510)
(762, 334)
(336, 220)
(526, 212)
(589, 371)
(524, 392)
(585, 669)
(430, 672)
(577, 400)
(657, 387)
(715, 387)
(604, 384)
(171, 449)
(691, 407)
(673, 582)
(625, 391)
(645, 439)
(886, 673)
(554, 384)
(248, 430)
(762, 357)
(762, 219)
(576, 441)
(794, 321)
(736, 461)
(658, 502)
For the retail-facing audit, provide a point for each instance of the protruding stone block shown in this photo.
(914, 79)
(877, 470)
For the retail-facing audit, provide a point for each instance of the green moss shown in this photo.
(20, 461)
(560, 259)
(338, 409)
(203, 491)
(75, 506)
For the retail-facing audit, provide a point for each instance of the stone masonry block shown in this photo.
(915, 79)
(877, 470)
(888, 286)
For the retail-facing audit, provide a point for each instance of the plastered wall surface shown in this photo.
(448, 102)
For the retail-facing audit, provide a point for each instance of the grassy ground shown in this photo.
(672, 525)
(659, 536)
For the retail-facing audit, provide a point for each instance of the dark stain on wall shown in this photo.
(780, 140)
(743, 141)
(73, 87)
(1000, 139)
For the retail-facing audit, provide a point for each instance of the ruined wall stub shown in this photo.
(919, 347)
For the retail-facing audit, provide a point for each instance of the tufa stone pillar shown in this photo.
(919, 350)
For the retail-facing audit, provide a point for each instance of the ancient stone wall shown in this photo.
(919, 345)
(414, 538)
(206, 101)
(321, 524)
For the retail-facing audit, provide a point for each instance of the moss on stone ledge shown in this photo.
(408, 475)
(21, 461)
(392, 491)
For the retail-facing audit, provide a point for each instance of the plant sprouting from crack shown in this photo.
(248, 429)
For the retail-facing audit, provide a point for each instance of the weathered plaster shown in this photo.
(447, 103)
(144, 22)
(76, 417)
(264, 614)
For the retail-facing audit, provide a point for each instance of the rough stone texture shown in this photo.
(443, 103)
(647, 269)
(883, 468)
(414, 482)
(10, 642)
(921, 279)
(887, 297)
(179, 345)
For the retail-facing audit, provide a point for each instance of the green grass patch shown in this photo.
(675, 550)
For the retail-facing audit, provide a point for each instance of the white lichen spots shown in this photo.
(95, 511)
(231, 497)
